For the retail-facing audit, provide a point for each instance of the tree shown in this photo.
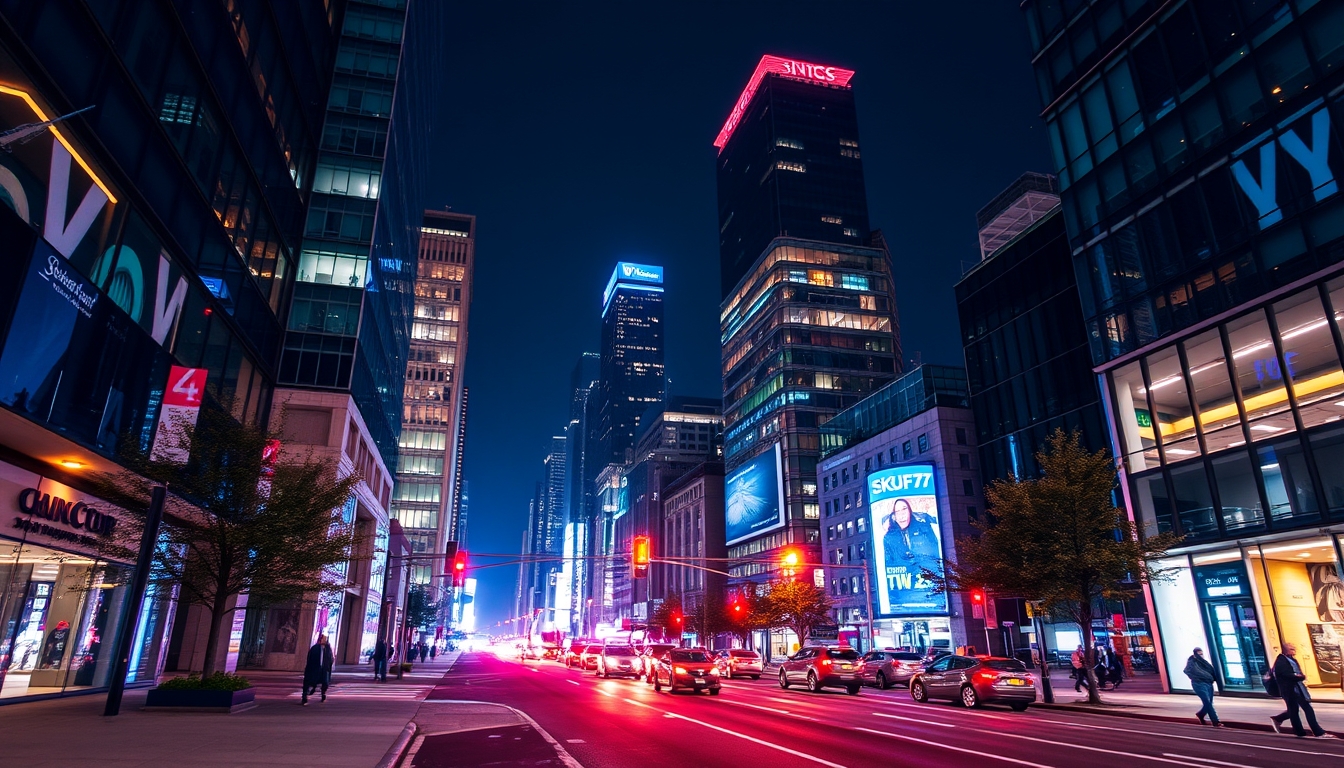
(798, 605)
(232, 523)
(423, 609)
(668, 616)
(1060, 540)
(748, 612)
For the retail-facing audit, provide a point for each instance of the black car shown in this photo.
(686, 669)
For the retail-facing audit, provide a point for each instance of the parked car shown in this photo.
(574, 653)
(739, 661)
(648, 659)
(588, 660)
(686, 669)
(976, 680)
(886, 668)
(830, 666)
(618, 660)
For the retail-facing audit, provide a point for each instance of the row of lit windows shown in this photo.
(423, 439)
(765, 276)
(420, 465)
(434, 331)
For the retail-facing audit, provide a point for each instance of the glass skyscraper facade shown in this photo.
(1198, 150)
(632, 373)
(808, 320)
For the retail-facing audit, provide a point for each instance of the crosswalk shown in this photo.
(372, 690)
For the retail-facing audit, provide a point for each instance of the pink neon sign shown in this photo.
(793, 69)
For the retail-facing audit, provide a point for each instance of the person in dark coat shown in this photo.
(424, 652)
(1293, 687)
(433, 651)
(1202, 679)
(380, 661)
(317, 672)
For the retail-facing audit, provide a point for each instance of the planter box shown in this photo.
(200, 701)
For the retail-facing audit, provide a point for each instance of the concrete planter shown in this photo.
(200, 700)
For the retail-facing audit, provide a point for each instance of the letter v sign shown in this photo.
(65, 236)
(1263, 193)
(166, 311)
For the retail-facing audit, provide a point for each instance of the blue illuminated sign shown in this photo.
(633, 275)
(754, 497)
(903, 506)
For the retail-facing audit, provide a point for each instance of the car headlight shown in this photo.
(679, 670)
(714, 672)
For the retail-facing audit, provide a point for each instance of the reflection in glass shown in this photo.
(1310, 361)
(1287, 482)
(1213, 391)
(1153, 505)
(1328, 450)
(1134, 417)
(1194, 501)
(1171, 406)
(1258, 376)
(1238, 496)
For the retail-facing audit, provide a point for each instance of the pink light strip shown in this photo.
(817, 74)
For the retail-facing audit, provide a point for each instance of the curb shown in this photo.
(1189, 720)
(397, 751)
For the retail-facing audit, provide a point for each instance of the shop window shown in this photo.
(1171, 414)
(1292, 501)
(1310, 361)
(1238, 495)
(1217, 406)
(1299, 586)
(1134, 417)
(1176, 603)
(1258, 376)
(1194, 501)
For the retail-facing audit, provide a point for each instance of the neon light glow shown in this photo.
(818, 74)
(42, 117)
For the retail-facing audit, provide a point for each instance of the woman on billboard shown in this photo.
(910, 544)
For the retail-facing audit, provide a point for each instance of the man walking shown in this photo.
(433, 651)
(1079, 662)
(380, 661)
(1293, 687)
(317, 672)
(424, 651)
(1202, 678)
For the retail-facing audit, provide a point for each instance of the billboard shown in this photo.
(903, 507)
(754, 497)
(629, 273)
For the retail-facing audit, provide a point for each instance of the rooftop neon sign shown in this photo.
(818, 74)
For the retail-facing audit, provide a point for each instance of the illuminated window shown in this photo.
(790, 143)
(849, 143)
(350, 177)
(854, 282)
(832, 219)
(785, 165)
(820, 277)
(852, 232)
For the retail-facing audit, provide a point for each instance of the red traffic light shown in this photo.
(460, 568)
(978, 596)
(737, 607)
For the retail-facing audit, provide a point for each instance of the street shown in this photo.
(625, 723)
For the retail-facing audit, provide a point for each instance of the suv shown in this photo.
(976, 680)
(738, 661)
(883, 668)
(830, 666)
(618, 660)
(648, 659)
(574, 652)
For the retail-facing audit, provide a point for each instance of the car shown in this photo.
(574, 653)
(648, 659)
(588, 659)
(739, 661)
(823, 666)
(886, 668)
(686, 669)
(618, 660)
(976, 680)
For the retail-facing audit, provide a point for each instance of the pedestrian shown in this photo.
(433, 651)
(1293, 688)
(380, 661)
(317, 672)
(1108, 668)
(1202, 679)
(1079, 662)
(424, 651)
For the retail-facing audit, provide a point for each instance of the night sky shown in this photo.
(581, 135)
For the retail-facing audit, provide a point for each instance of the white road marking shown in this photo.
(575, 741)
(754, 706)
(754, 740)
(1187, 738)
(1102, 750)
(940, 745)
(1204, 760)
(905, 719)
(572, 682)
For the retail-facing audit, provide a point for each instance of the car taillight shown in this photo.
(826, 662)
(987, 676)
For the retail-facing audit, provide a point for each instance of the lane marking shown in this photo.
(1072, 745)
(940, 745)
(575, 741)
(1189, 738)
(754, 706)
(572, 682)
(905, 719)
(754, 740)
(1204, 760)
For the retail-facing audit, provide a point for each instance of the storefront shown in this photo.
(62, 602)
(915, 634)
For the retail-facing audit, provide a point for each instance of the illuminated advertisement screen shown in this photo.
(754, 497)
(906, 540)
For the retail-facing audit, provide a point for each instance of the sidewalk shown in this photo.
(355, 727)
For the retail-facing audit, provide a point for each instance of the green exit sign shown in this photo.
(1144, 418)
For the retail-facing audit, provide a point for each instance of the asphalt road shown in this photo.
(610, 723)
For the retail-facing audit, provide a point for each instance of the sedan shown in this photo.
(739, 662)
(618, 660)
(648, 659)
(976, 680)
(823, 667)
(686, 669)
(588, 659)
(885, 668)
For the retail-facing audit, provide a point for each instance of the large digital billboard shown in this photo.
(754, 497)
(903, 507)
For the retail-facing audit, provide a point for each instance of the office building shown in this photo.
(1197, 148)
(1027, 362)
(580, 486)
(899, 484)
(691, 535)
(808, 320)
(632, 377)
(170, 211)
(433, 418)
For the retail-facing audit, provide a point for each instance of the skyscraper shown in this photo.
(434, 410)
(1198, 151)
(632, 372)
(808, 315)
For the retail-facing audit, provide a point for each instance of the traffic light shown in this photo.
(790, 559)
(977, 597)
(460, 568)
(449, 555)
(639, 557)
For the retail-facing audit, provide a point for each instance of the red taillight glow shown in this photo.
(826, 662)
(987, 676)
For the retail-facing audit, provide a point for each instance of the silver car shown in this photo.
(886, 668)
(618, 660)
(738, 661)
